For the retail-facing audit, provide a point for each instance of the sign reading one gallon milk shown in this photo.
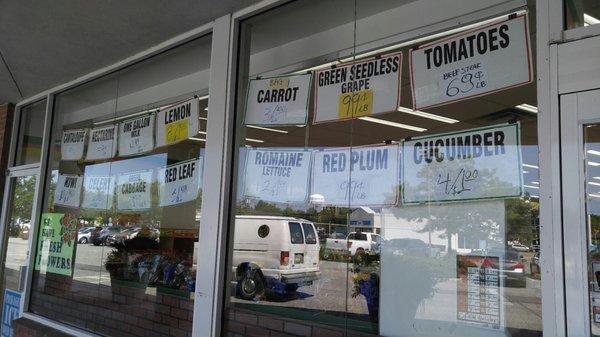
(472, 63)
(180, 182)
(356, 89)
(136, 135)
(71, 147)
(177, 122)
(475, 164)
(134, 190)
(98, 191)
(102, 143)
(277, 175)
(360, 176)
(10, 311)
(278, 100)
(56, 242)
(68, 190)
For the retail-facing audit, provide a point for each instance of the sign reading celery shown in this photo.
(360, 88)
(475, 164)
(56, 244)
(177, 122)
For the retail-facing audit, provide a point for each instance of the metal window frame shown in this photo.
(549, 30)
(41, 167)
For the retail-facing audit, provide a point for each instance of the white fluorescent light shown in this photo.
(265, 129)
(590, 20)
(593, 183)
(525, 171)
(594, 152)
(535, 182)
(531, 186)
(202, 132)
(197, 139)
(394, 124)
(203, 97)
(534, 196)
(427, 115)
(203, 118)
(593, 163)
(531, 166)
(594, 195)
(430, 37)
(254, 140)
(528, 108)
(596, 178)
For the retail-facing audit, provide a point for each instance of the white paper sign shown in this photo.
(102, 143)
(277, 175)
(360, 176)
(98, 191)
(134, 190)
(360, 88)
(472, 63)
(68, 190)
(475, 164)
(278, 100)
(177, 123)
(136, 135)
(72, 144)
(180, 183)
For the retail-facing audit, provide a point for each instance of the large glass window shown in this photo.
(119, 230)
(581, 13)
(393, 257)
(30, 132)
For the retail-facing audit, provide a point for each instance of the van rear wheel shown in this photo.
(251, 285)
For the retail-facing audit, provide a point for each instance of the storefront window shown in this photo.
(581, 13)
(424, 201)
(119, 230)
(31, 127)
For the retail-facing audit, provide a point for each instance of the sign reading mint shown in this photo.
(473, 63)
(56, 243)
(475, 164)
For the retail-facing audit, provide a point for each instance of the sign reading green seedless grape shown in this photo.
(56, 244)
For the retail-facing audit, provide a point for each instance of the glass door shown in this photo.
(17, 223)
(580, 152)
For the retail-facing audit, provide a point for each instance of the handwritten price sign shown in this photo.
(177, 131)
(355, 104)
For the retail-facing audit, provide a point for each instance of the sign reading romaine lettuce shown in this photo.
(98, 191)
(180, 182)
(136, 135)
(134, 190)
(360, 88)
(277, 175)
(360, 176)
(475, 164)
(102, 143)
(177, 122)
(278, 100)
(72, 143)
(471, 63)
(56, 243)
(68, 190)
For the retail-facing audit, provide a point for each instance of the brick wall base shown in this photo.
(246, 323)
(6, 120)
(24, 327)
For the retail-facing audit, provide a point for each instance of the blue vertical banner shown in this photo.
(10, 311)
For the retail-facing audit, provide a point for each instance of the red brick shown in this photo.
(255, 331)
(270, 323)
(320, 332)
(246, 318)
(297, 329)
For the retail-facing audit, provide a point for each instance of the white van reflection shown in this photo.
(274, 255)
